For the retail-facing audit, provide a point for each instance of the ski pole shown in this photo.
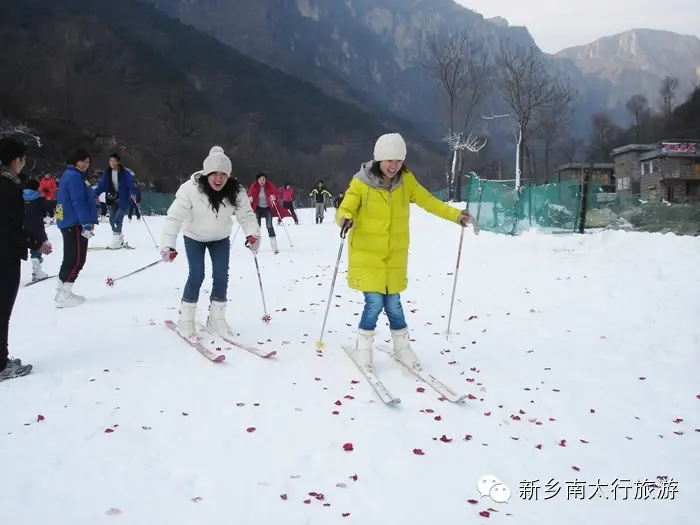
(111, 280)
(454, 284)
(343, 233)
(274, 203)
(236, 234)
(143, 218)
(266, 318)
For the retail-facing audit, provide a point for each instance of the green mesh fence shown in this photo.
(498, 207)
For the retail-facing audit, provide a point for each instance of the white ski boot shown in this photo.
(363, 349)
(185, 324)
(402, 349)
(273, 243)
(37, 272)
(117, 241)
(216, 322)
(65, 298)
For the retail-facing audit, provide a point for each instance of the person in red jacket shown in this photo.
(47, 188)
(265, 200)
(287, 194)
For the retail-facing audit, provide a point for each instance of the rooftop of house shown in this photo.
(585, 165)
(665, 148)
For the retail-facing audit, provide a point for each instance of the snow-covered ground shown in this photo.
(581, 354)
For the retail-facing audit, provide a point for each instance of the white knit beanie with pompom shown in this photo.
(390, 147)
(217, 161)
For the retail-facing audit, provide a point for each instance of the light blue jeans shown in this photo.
(116, 218)
(375, 303)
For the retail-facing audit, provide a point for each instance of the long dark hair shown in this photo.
(376, 170)
(216, 198)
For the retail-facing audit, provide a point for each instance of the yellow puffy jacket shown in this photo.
(379, 238)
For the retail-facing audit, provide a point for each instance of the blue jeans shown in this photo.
(375, 303)
(219, 251)
(116, 218)
(36, 255)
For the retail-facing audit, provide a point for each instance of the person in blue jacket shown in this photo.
(119, 187)
(76, 217)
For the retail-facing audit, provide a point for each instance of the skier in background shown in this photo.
(338, 199)
(118, 182)
(35, 208)
(135, 204)
(319, 194)
(379, 241)
(76, 217)
(203, 209)
(263, 197)
(103, 206)
(287, 194)
(14, 241)
(48, 188)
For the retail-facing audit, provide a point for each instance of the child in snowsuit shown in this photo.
(319, 194)
(203, 208)
(376, 209)
(35, 208)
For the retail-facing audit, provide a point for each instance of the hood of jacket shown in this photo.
(31, 195)
(4, 172)
(365, 175)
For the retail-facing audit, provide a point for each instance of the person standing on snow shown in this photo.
(76, 217)
(375, 210)
(35, 207)
(48, 188)
(338, 199)
(134, 205)
(118, 183)
(263, 197)
(287, 194)
(203, 209)
(319, 194)
(14, 241)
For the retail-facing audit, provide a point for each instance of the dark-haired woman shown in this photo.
(76, 216)
(266, 203)
(14, 241)
(203, 209)
(376, 210)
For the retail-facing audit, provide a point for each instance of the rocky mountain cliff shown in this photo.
(358, 50)
(636, 61)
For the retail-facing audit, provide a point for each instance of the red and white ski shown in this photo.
(252, 349)
(206, 352)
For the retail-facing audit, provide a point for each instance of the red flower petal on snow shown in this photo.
(283, 496)
(40, 417)
(418, 452)
(348, 447)
(250, 429)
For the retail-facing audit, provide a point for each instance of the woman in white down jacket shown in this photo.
(203, 209)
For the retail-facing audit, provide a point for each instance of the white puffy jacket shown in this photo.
(192, 212)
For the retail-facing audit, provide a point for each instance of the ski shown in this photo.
(374, 381)
(197, 345)
(252, 349)
(437, 385)
(101, 248)
(39, 280)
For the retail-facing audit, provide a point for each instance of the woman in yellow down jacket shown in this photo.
(376, 210)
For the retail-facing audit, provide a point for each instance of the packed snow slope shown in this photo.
(580, 353)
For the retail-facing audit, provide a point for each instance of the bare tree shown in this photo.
(528, 90)
(669, 86)
(604, 135)
(460, 69)
(638, 106)
(459, 143)
(553, 124)
(570, 148)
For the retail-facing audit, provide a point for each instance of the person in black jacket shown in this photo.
(35, 208)
(14, 242)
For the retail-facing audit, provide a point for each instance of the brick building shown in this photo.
(601, 172)
(667, 170)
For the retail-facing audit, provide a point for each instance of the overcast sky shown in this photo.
(557, 24)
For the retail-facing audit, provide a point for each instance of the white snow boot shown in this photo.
(402, 349)
(216, 322)
(185, 324)
(65, 298)
(273, 243)
(117, 241)
(37, 272)
(363, 349)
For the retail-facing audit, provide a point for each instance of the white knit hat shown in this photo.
(390, 147)
(217, 161)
